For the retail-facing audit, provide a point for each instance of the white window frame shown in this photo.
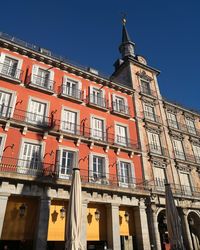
(12, 100)
(35, 69)
(30, 141)
(32, 98)
(149, 115)
(187, 189)
(72, 80)
(103, 130)
(160, 182)
(77, 119)
(76, 157)
(172, 119)
(132, 177)
(149, 83)
(196, 150)
(91, 88)
(127, 133)
(178, 148)
(114, 97)
(154, 142)
(2, 145)
(19, 64)
(106, 168)
(190, 123)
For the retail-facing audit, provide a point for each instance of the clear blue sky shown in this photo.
(166, 33)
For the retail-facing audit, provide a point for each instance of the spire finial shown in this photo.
(124, 19)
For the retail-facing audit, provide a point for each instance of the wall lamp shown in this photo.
(126, 215)
(62, 213)
(97, 215)
(22, 210)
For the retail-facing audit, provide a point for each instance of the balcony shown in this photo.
(126, 142)
(120, 109)
(11, 72)
(68, 128)
(22, 117)
(183, 127)
(42, 83)
(148, 91)
(74, 94)
(151, 117)
(98, 102)
(184, 156)
(158, 150)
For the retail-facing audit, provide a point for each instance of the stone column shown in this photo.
(3, 205)
(84, 225)
(141, 226)
(186, 229)
(113, 231)
(42, 227)
(157, 243)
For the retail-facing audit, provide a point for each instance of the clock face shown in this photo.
(142, 60)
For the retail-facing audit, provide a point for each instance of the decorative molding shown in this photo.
(194, 141)
(142, 60)
(161, 163)
(153, 129)
(143, 75)
(182, 167)
(176, 135)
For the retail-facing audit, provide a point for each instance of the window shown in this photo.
(98, 167)
(190, 126)
(5, 101)
(30, 161)
(178, 149)
(196, 150)
(185, 183)
(121, 135)
(97, 128)
(69, 121)
(159, 177)
(42, 77)
(120, 105)
(9, 67)
(171, 117)
(37, 112)
(149, 112)
(145, 87)
(67, 163)
(96, 97)
(154, 143)
(71, 88)
(125, 173)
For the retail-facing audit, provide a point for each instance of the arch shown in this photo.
(193, 219)
(162, 228)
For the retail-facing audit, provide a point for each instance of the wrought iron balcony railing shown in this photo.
(10, 71)
(120, 109)
(98, 101)
(148, 91)
(185, 156)
(158, 150)
(152, 117)
(41, 82)
(73, 93)
(25, 117)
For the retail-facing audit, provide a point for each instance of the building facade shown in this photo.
(55, 116)
(169, 135)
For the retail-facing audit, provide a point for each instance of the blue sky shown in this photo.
(166, 33)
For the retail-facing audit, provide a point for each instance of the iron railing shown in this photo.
(152, 117)
(71, 92)
(120, 108)
(10, 71)
(185, 156)
(158, 150)
(25, 117)
(98, 101)
(41, 82)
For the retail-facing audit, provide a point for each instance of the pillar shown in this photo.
(157, 243)
(141, 226)
(113, 227)
(3, 205)
(186, 229)
(84, 225)
(42, 227)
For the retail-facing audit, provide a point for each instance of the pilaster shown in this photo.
(3, 205)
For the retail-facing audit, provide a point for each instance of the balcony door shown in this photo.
(5, 100)
(98, 167)
(178, 149)
(171, 117)
(69, 119)
(149, 112)
(43, 77)
(125, 176)
(67, 162)
(154, 143)
(185, 183)
(121, 135)
(9, 67)
(97, 128)
(159, 178)
(30, 161)
(37, 111)
(120, 104)
(97, 97)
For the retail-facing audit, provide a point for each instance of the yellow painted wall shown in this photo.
(96, 230)
(16, 227)
(56, 229)
(126, 228)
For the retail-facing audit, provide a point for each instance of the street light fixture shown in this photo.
(126, 215)
(97, 215)
(62, 213)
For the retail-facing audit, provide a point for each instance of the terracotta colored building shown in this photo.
(55, 116)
